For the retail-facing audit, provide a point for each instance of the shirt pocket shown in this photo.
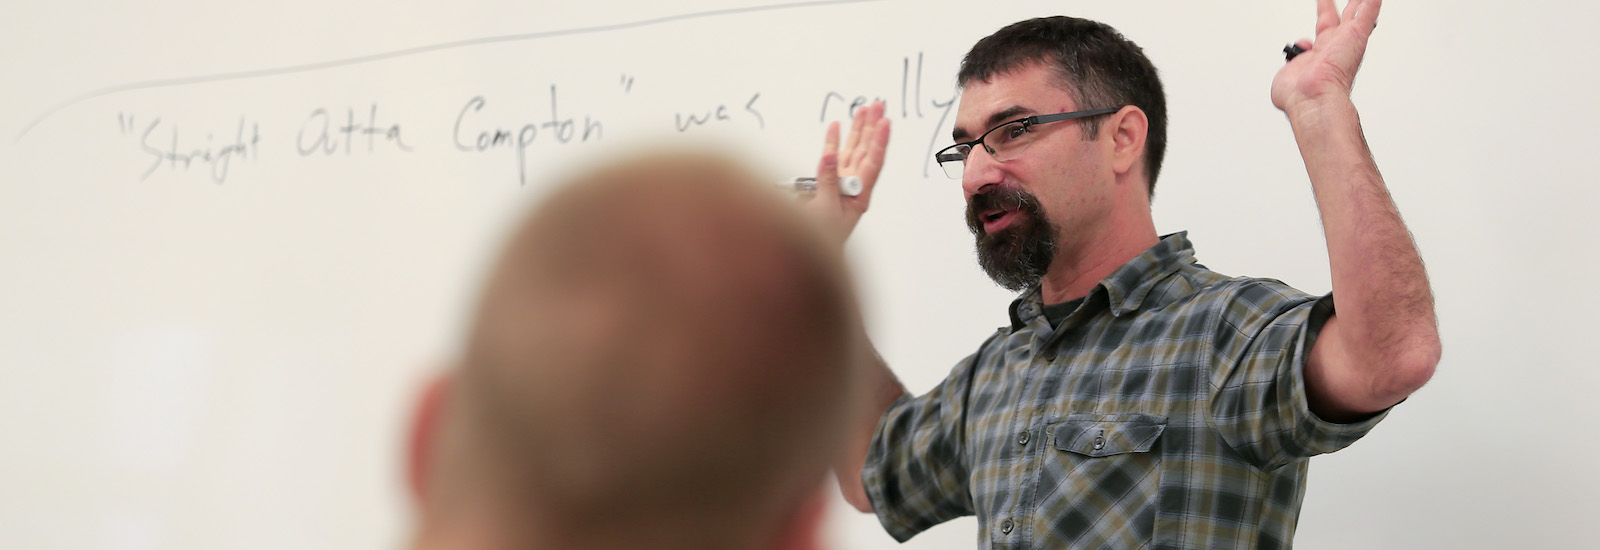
(1097, 435)
(1100, 481)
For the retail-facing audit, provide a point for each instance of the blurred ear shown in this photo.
(803, 529)
(425, 423)
(1129, 127)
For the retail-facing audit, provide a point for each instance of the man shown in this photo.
(645, 370)
(1138, 399)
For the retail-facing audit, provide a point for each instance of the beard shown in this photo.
(1017, 256)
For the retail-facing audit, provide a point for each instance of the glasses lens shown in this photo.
(1007, 142)
(953, 160)
(953, 168)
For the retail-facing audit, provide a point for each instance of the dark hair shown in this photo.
(1091, 61)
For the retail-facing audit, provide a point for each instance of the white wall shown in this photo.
(192, 363)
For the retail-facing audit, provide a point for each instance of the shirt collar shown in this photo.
(1125, 289)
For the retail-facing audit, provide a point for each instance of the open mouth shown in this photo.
(997, 219)
(999, 209)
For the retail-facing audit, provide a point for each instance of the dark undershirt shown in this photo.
(1055, 313)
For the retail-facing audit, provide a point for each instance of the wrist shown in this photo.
(1321, 111)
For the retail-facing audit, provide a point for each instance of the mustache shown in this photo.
(1004, 198)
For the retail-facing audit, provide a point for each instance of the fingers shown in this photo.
(1351, 8)
(861, 155)
(828, 166)
(830, 140)
(854, 139)
(1327, 16)
(1362, 12)
(861, 128)
(1368, 14)
(872, 162)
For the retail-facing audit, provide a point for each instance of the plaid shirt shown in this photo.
(1167, 411)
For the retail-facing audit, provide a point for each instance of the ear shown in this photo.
(803, 529)
(1129, 127)
(425, 423)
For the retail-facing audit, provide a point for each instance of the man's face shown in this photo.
(1022, 210)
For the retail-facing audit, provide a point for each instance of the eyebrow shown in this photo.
(1004, 115)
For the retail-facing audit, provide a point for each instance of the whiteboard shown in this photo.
(234, 239)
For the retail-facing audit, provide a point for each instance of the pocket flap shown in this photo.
(1098, 435)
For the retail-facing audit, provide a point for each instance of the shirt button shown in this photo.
(1022, 438)
(1099, 443)
(1005, 527)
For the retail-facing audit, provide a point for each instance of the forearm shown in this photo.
(1381, 294)
(883, 388)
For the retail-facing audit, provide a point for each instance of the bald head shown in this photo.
(666, 345)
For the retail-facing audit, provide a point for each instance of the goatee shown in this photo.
(1018, 255)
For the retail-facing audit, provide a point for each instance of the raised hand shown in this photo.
(862, 157)
(1327, 69)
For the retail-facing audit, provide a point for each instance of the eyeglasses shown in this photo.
(1004, 142)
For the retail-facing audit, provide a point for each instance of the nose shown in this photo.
(980, 170)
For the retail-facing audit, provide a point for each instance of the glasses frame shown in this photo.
(1027, 123)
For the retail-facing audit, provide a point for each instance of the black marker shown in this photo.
(1292, 50)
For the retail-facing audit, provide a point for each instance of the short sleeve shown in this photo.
(1261, 344)
(917, 472)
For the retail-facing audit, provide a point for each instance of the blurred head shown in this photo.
(1074, 180)
(662, 358)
